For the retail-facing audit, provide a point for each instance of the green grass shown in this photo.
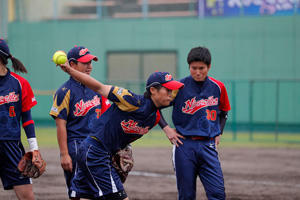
(156, 138)
(46, 137)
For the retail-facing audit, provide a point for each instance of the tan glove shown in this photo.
(123, 161)
(32, 164)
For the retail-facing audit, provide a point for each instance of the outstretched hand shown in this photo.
(173, 136)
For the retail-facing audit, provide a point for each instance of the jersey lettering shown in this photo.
(11, 97)
(81, 108)
(132, 127)
(192, 105)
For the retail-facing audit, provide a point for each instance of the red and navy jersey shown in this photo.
(196, 108)
(80, 106)
(130, 117)
(16, 96)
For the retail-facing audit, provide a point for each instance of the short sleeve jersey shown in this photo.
(80, 106)
(130, 117)
(16, 96)
(196, 108)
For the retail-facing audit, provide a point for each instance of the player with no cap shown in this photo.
(16, 101)
(199, 116)
(129, 118)
(76, 109)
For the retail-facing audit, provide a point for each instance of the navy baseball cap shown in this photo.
(165, 79)
(4, 50)
(81, 54)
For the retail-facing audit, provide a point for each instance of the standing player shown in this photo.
(199, 115)
(75, 109)
(16, 101)
(129, 118)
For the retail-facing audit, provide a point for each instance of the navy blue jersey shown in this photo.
(196, 107)
(129, 118)
(16, 96)
(80, 106)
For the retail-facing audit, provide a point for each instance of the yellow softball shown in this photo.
(59, 57)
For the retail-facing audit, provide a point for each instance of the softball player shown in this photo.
(76, 109)
(199, 116)
(16, 101)
(129, 118)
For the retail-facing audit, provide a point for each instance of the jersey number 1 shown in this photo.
(12, 111)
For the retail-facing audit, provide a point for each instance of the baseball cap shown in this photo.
(4, 50)
(165, 79)
(81, 54)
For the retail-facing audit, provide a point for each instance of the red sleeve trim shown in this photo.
(157, 117)
(28, 123)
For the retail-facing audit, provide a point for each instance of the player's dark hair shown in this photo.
(16, 64)
(200, 54)
(147, 94)
(3, 59)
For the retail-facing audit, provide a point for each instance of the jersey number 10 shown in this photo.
(211, 115)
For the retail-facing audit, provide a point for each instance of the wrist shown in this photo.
(62, 154)
(32, 144)
(166, 128)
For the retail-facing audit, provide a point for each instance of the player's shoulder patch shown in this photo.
(60, 102)
(124, 99)
(119, 91)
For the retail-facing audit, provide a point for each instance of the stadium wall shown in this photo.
(257, 57)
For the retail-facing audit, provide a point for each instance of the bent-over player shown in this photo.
(76, 109)
(130, 117)
(16, 101)
(199, 116)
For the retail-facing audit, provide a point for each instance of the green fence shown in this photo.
(257, 106)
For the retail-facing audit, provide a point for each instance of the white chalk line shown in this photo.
(270, 183)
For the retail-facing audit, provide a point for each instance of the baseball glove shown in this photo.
(122, 161)
(32, 164)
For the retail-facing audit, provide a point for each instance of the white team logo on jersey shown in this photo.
(11, 97)
(192, 105)
(81, 108)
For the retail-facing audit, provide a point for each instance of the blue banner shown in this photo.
(249, 7)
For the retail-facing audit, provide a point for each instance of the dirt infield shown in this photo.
(250, 173)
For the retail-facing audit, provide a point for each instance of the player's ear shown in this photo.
(152, 90)
(72, 64)
(208, 67)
